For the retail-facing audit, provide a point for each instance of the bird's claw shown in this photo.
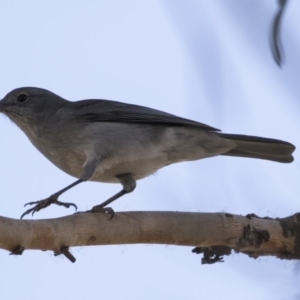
(45, 203)
(100, 209)
(106, 210)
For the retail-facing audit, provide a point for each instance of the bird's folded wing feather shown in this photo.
(113, 111)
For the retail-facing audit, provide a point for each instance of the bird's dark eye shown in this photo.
(23, 97)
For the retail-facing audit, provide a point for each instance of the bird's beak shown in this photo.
(2, 106)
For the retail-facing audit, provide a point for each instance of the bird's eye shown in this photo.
(23, 97)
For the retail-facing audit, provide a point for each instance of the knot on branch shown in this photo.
(212, 254)
(253, 237)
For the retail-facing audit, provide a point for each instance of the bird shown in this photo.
(115, 142)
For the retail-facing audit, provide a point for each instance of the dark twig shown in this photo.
(18, 250)
(65, 251)
(275, 41)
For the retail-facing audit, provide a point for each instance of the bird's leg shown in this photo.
(53, 199)
(88, 171)
(128, 184)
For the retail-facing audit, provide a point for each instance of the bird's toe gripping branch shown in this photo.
(53, 199)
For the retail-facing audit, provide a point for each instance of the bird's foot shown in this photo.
(44, 203)
(101, 209)
(106, 210)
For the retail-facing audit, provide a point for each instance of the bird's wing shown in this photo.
(113, 111)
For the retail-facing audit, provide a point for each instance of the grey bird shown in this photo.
(109, 141)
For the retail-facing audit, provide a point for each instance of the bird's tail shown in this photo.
(258, 147)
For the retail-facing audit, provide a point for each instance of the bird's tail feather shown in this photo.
(258, 147)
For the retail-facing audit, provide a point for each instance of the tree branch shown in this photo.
(213, 234)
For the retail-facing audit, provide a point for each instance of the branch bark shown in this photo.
(214, 234)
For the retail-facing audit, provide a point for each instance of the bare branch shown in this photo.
(216, 232)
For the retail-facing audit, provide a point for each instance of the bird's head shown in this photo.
(24, 106)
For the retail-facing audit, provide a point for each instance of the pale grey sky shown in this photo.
(204, 60)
